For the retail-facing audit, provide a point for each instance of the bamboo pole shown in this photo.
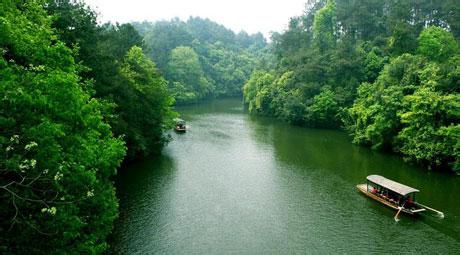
(441, 214)
(397, 214)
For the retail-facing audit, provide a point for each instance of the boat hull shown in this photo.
(363, 189)
(180, 130)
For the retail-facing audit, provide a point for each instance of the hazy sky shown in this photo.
(249, 15)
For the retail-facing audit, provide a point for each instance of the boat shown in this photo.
(394, 195)
(180, 125)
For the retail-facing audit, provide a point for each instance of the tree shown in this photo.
(76, 26)
(324, 109)
(145, 105)
(226, 59)
(185, 67)
(58, 154)
(374, 114)
(413, 107)
(257, 90)
(431, 132)
(112, 58)
(163, 37)
(431, 123)
(436, 44)
(324, 27)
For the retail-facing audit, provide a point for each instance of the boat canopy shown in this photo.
(391, 185)
(179, 121)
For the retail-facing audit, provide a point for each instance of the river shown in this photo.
(236, 183)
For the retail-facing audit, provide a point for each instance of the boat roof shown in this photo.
(179, 120)
(391, 185)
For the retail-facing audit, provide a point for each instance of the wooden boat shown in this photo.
(180, 125)
(394, 195)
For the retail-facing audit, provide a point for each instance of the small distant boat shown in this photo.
(180, 125)
(395, 195)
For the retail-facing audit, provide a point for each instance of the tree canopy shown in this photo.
(123, 76)
(58, 152)
(386, 71)
(200, 58)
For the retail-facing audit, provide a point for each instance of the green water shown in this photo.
(235, 183)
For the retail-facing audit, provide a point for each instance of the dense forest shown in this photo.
(200, 58)
(76, 98)
(79, 98)
(112, 58)
(387, 71)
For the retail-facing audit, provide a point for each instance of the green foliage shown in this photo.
(122, 76)
(373, 64)
(58, 155)
(294, 107)
(145, 105)
(436, 44)
(374, 119)
(75, 24)
(265, 94)
(58, 151)
(324, 109)
(431, 123)
(184, 68)
(412, 109)
(162, 37)
(257, 93)
(364, 65)
(226, 69)
(403, 39)
(324, 26)
(221, 61)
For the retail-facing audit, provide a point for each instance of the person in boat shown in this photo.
(374, 190)
(409, 200)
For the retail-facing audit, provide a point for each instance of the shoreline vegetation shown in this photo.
(388, 74)
(81, 98)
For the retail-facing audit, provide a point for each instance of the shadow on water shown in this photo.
(331, 153)
(140, 187)
(223, 106)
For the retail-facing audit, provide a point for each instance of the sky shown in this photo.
(249, 15)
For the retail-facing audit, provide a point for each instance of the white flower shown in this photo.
(51, 210)
(30, 146)
(90, 193)
(24, 165)
(9, 148)
(27, 164)
(15, 139)
(33, 163)
(45, 171)
(58, 176)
